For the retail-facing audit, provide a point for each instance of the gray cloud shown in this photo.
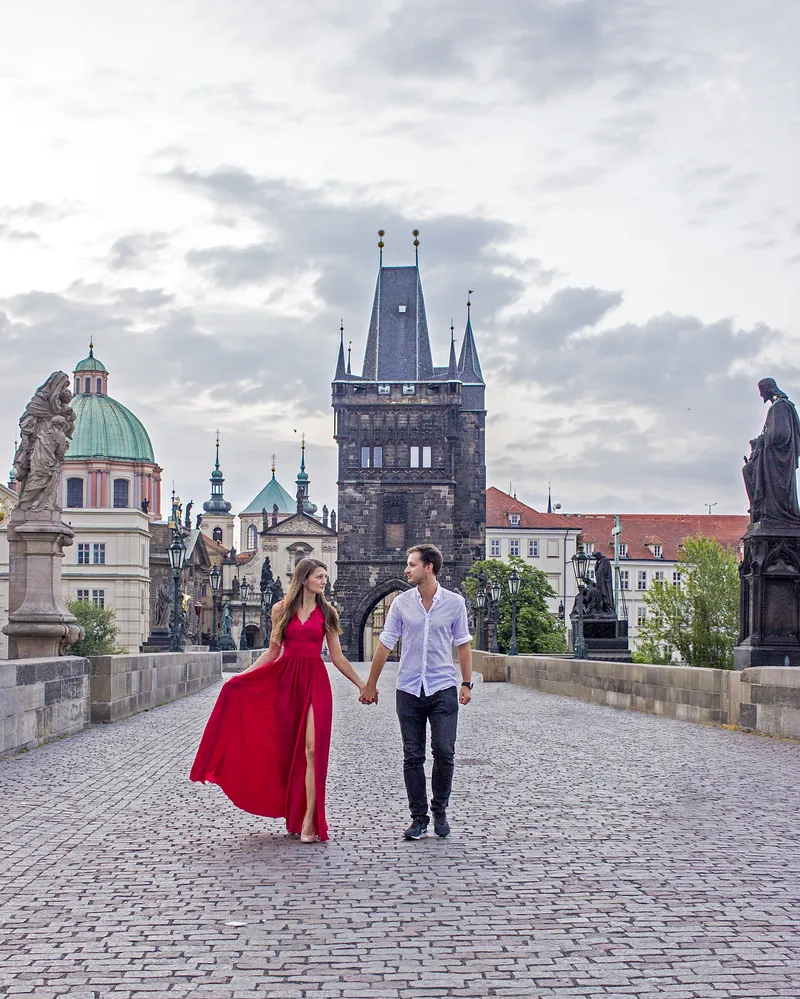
(18, 235)
(136, 251)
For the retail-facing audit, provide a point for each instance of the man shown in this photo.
(429, 619)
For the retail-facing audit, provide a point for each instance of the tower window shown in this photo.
(384, 390)
(99, 386)
(365, 456)
(394, 522)
(413, 456)
(216, 534)
(75, 492)
(377, 457)
(401, 308)
(252, 537)
(408, 390)
(426, 457)
(121, 493)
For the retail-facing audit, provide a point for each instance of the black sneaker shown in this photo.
(417, 830)
(440, 825)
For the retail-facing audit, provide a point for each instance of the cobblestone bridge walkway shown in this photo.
(594, 853)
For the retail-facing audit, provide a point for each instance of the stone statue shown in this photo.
(333, 521)
(163, 603)
(226, 619)
(274, 514)
(324, 515)
(604, 578)
(198, 521)
(235, 589)
(277, 591)
(145, 505)
(264, 519)
(300, 497)
(770, 473)
(266, 575)
(46, 428)
(187, 523)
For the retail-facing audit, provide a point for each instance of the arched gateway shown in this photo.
(412, 464)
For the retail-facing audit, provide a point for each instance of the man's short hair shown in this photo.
(430, 555)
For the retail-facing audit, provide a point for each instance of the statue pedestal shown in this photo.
(39, 624)
(770, 597)
(159, 641)
(606, 638)
(226, 643)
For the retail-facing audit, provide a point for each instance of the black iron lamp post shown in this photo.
(480, 599)
(513, 586)
(245, 592)
(177, 558)
(495, 590)
(267, 595)
(580, 565)
(216, 579)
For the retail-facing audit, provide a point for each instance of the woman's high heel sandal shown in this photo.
(308, 837)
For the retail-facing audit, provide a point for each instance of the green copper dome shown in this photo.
(104, 428)
(90, 363)
(272, 493)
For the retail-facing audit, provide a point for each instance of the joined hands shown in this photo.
(368, 694)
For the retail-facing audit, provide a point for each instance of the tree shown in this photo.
(100, 629)
(696, 622)
(538, 630)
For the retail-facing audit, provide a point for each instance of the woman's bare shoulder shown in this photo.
(277, 608)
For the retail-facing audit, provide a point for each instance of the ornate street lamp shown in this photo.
(580, 566)
(198, 607)
(495, 591)
(513, 586)
(267, 595)
(480, 599)
(216, 578)
(245, 592)
(177, 558)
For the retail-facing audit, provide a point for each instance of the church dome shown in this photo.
(104, 428)
(272, 493)
(90, 363)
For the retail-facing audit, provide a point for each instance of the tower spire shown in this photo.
(416, 247)
(381, 234)
(469, 367)
(349, 351)
(549, 499)
(452, 366)
(217, 503)
(341, 371)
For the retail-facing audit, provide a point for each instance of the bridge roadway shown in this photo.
(594, 853)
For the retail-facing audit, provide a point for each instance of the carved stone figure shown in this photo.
(770, 473)
(300, 497)
(226, 619)
(145, 505)
(604, 578)
(277, 591)
(198, 521)
(274, 514)
(266, 575)
(264, 519)
(46, 428)
(187, 522)
(163, 603)
(333, 520)
(235, 589)
(324, 515)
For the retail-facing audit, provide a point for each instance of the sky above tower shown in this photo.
(199, 186)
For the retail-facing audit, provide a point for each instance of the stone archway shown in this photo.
(366, 606)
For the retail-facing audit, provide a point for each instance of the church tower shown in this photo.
(412, 464)
(217, 520)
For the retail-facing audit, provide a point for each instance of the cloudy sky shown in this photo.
(198, 186)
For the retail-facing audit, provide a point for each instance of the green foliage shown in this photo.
(100, 627)
(538, 630)
(698, 622)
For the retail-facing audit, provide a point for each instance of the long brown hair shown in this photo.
(294, 598)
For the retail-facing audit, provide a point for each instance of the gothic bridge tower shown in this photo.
(412, 458)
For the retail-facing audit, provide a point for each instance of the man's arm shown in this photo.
(392, 630)
(465, 662)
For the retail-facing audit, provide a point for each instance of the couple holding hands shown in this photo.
(266, 743)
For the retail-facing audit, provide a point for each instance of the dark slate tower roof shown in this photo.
(469, 367)
(398, 347)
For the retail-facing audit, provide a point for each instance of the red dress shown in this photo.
(253, 746)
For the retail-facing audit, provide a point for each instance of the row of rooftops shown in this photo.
(647, 535)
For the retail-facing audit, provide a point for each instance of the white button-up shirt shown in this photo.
(426, 659)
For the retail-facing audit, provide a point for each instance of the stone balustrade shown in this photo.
(41, 700)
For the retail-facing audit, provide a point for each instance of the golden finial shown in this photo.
(273, 464)
(416, 245)
(91, 346)
(381, 234)
(469, 298)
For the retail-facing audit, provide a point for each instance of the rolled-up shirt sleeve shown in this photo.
(461, 633)
(392, 628)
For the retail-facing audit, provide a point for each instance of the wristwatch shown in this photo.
(467, 683)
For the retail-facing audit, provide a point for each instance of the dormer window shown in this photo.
(401, 308)
(623, 550)
(408, 390)
(384, 389)
(656, 551)
(514, 519)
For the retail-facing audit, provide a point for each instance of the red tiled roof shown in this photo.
(214, 547)
(499, 505)
(666, 529)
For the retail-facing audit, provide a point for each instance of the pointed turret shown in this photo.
(303, 481)
(452, 367)
(341, 370)
(217, 502)
(469, 367)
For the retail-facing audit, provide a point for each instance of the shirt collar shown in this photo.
(436, 593)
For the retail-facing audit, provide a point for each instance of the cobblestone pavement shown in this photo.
(594, 853)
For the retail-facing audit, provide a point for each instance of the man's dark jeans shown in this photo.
(441, 709)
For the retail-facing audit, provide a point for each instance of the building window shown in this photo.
(377, 457)
(641, 580)
(623, 550)
(365, 451)
(426, 457)
(408, 390)
(121, 490)
(659, 576)
(513, 546)
(384, 390)
(413, 456)
(75, 492)
(252, 537)
(533, 548)
(641, 614)
(514, 518)
(83, 555)
(588, 547)
(99, 597)
(552, 548)
(657, 551)
(216, 535)
(83, 595)
(99, 554)
(495, 548)
(394, 522)
(203, 590)
(624, 579)
(99, 386)
(676, 579)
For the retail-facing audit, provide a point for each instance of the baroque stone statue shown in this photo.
(46, 428)
(187, 523)
(770, 473)
(266, 575)
(226, 619)
(163, 603)
(604, 578)
(300, 497)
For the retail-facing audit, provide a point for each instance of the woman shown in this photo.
(267, 740)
